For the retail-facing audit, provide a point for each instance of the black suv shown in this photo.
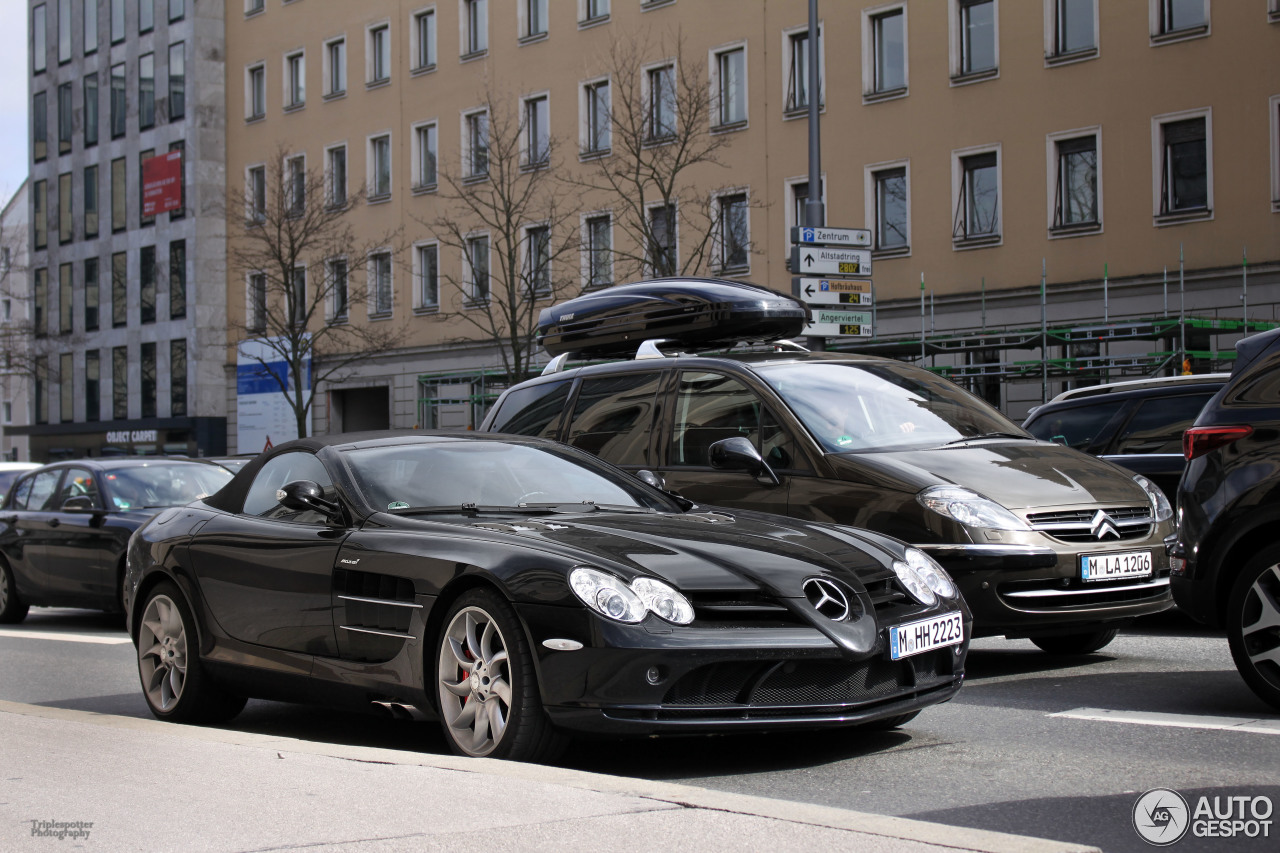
(1137, 424)
(1046, 542)
(1226, 564)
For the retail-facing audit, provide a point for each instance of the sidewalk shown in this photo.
(135, 784)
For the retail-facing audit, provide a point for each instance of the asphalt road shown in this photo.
(1058, 748)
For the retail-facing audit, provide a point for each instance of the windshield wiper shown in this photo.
(981, 436)
(589, 506)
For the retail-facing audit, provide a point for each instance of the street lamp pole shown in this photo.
(814, 211)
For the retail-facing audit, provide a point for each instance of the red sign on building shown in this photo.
(162, 184)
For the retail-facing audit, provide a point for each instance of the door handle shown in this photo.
(53, 522)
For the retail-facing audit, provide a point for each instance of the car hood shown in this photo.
(1020, 475)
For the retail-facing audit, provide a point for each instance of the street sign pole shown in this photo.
(814, 211)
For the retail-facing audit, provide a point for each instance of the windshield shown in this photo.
(489, 474)
(852, 406)
(160, 485)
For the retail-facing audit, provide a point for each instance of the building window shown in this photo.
(662, 252)
(977, 216)
(1179, 17)
(339, 289)
(177, 104)
(90, 31)
(885, 71)
(64, 299)
(119, 289)
(295, 66)
(64, 31)
(91, 201)
(428, 276)
(64, 118)
(66, 222)
(92, 386)
(475, 27)
(147, 284)
(478, 268)
(974, 23)
(424, 40)
(296, 300)
(146, 15)
(143, 218)
(537, 261)
(733, 233)
(147, 91)
(119, 101)
(40, 302)
(119, 383)
(40, 213)
(797, 54)
(66, 388)
(147, 373)
(336, 167)
(661, 83)
(1184, 167)
(8, 412)
(597, 122)
(731, 86)
(1075, 190)
(257, 302)
(91, 294)
(599, 251)
(177, 10)
(256, 92)
(257, 194)
(380, 275)
(39, 39)
(296, 175)
(252, 7)
(39, 126)
(117, 21)
(424, 142)
(335, 73)
(594, 11)
(799, 199)
(889, 209)
(41, 389)
(178, 378)
(534, 15)
(119, 196)
(477, 141)
(379, 47)
(537, 131)
(91, 110)
(380, 166)
(1072, 26)
(181, 210)
(177, 279)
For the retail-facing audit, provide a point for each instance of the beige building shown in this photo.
(982, 141)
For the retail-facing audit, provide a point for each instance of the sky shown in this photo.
(13, 97)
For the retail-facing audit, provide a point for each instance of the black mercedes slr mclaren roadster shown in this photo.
(523, 591)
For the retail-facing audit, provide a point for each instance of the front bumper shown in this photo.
(655, 678)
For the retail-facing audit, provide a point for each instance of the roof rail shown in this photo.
(557, 364)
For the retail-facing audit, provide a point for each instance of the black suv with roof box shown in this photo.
(1046, 542)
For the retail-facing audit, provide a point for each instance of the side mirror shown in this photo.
(79, 503)
(306, 495)
(651, 479)
(739, 454)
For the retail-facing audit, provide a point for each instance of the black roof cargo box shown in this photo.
(699, 312)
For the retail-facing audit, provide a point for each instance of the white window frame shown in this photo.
(788, 47)
(469, 158)
(371, 54)
(985, 240)
(330, 186)
(295, 87)
(871, 205)
(1051, 55)
(675, 224)
(526, 20)
(1051, 181)
(585, 90)
(1274, 106)
(254, 7)
(1273, 11)
(1160, 36)
(789, 194)
(371, 276)
(415, 40)
(584, 13)
(585, 221)
(250, 196)
(718, 247)
(959, 77)
(330, 91)
(714, 56)
(260, 67)
(296, 207)
(420, 304)
(469, 273)
(646, 71)
(526, 261)
(870, 52)
(529, 158)
(420, 183)
(473, 44)
(371, 158)
(252, 321)
(331, 302)
(1157, 167)
(300, 307)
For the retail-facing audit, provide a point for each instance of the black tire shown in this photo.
(1253, 624)
(888, 723)
(12, 608)
(1076, 644)
(174, 683)
(471, 683)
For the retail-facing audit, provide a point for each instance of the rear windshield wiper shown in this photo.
(981, 436)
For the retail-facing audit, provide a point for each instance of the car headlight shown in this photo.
(969, 508)
(935, 577)
(1159, 503)
(614, 598)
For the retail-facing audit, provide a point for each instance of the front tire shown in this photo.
(487, 689)
(12, 608)
(1253, 625)
(174, 683)
(1085, 643)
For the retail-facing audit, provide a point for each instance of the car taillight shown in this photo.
(1198, 441)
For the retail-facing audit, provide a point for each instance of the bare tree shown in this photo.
(506, 213)
(660, 149)
(290, 239)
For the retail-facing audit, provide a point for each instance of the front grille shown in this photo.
(1052, 595)
(740, 608)
(1129, 522)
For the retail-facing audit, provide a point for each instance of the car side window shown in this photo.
(534, 410)
(613, 417)
(1159, 423)
(1077, 426)
(44, 491)
(22, 494)
(79, 482)
(711, 407)
(287, 468)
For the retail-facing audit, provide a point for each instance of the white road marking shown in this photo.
(1258, 726)
(99, 639)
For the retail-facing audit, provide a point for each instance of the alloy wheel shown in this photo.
(162, 653)
(1260, 624)
(475, 681)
